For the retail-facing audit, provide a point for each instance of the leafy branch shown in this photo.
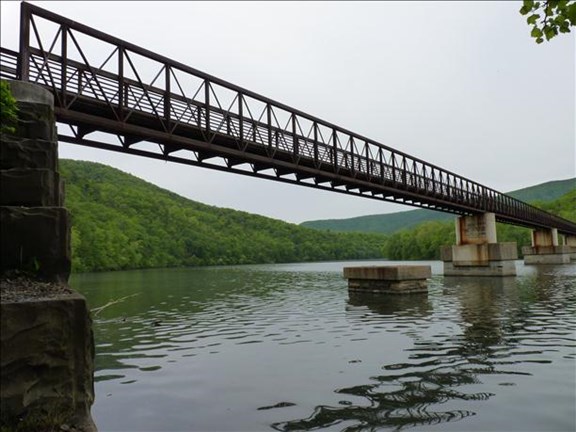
(549, 18)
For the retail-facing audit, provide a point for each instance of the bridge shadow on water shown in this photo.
(463, 331)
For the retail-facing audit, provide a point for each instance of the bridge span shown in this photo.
(197, 119)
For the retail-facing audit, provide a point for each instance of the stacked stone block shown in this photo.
(35, 227)
(46, 340)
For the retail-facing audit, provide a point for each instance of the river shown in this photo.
(285, 347)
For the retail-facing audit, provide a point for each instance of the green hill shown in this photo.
(392, 222)
(121, 222)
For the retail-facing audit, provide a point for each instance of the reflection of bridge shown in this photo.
(140, 97)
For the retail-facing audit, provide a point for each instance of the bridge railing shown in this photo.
(127, 83)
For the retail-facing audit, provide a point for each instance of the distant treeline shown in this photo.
(122, 222)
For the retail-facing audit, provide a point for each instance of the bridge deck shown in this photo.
(197, 119)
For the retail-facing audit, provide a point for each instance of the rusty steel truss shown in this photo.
(159, 108)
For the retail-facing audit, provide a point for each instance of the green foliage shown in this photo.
(564, 207)
(390, 223)
(8, 109)
(122, 222)
(422, 242)
(548, 18)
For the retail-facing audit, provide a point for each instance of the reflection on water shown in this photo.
(286, 347)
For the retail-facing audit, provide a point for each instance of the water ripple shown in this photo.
(345, 361)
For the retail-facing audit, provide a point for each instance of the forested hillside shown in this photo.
(424, 241)
(122, 222)
(392, 222)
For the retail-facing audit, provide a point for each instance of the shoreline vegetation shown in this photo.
(121, 222)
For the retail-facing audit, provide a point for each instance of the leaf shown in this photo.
(550, 32)
(532, 18)
(539, 40)
(559, 20)
(525, 10)
(536, 32)
(571, 13)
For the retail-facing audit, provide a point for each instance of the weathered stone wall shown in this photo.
(35, 228)
(46, 342)
(47, 358)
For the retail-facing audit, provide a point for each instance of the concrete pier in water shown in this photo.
(545, 248)
(405, 279)
(477, 253)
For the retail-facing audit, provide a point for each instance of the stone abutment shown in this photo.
(46, 341)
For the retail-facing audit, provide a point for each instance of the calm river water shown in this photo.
(284, 347)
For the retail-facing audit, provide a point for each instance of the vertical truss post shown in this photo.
(315, 126)
(269, 124)
(23, 68)
(121, 89)
(295, 135)
(404, 172)
(241, 118)
(167, 101)
(207, 104)
(64, 71)
(352, 164)
(334, 149)
(425, 179)
(368, 159)
(381, 163)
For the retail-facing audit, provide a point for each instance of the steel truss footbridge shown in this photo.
(190, 117)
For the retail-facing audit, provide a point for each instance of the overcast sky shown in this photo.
(459, 84)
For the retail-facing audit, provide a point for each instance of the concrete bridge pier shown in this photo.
(570, 241)
(545, 248)
(477, 253)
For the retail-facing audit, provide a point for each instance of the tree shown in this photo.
(8, 109)
(550, 17)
